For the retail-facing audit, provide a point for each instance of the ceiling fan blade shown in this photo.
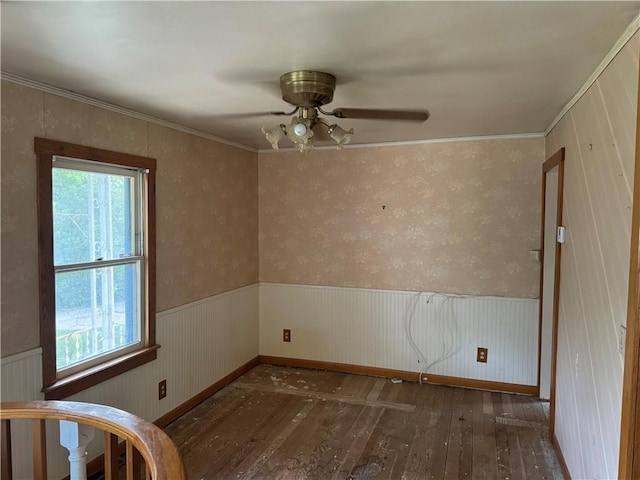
(371, 114)
(239, 116)
(285, 113)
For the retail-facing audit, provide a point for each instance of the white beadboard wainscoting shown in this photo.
(21, 379)
(371, 328)
(200, 344)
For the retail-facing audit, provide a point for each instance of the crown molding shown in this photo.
(514, 136)
(10, 77)
(630, 31)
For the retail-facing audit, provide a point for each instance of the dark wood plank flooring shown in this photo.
(289, 423)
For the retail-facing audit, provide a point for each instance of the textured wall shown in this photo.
(458, 217)
(207, 205)
(599, 136)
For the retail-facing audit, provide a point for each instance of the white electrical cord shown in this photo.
(447, 350)
(453, 347)
(406, 321)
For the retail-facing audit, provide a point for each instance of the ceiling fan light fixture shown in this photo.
(300, 132)
(308, 91)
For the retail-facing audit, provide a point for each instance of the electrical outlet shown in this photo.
(162, 389)
(482, 355)
(286, 335)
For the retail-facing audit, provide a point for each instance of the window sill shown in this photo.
(65, 387)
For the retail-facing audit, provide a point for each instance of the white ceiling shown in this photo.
(481, 68)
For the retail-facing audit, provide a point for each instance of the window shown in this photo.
(96, 217)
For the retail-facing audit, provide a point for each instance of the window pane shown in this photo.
(97, 311)
(92, 216)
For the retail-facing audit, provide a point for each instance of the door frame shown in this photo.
(629, 461)
(555, 160)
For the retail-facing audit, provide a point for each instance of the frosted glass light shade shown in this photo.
(273, 135)
(299, 130)
(339, 135)
(300, 133)
(305, 147)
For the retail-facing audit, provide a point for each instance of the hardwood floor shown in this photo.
(290, 423)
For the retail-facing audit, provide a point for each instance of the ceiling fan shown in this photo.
(308, 91)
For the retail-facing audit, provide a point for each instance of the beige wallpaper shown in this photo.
(457, 217)
(21, 121)
(207, 205)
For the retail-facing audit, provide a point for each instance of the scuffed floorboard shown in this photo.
(289, 423)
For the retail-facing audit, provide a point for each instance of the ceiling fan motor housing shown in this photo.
(307, 88)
